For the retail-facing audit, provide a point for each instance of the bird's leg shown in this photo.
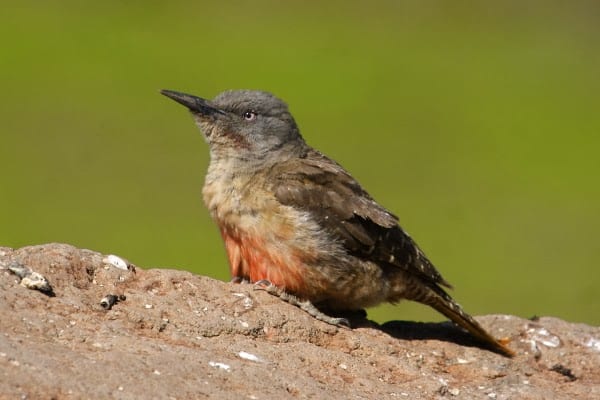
(305, 305)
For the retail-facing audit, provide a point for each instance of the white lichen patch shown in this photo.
(246, 301)
(543, 336)
(219, 365)
(593, 343)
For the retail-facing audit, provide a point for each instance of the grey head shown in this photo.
(244, 124)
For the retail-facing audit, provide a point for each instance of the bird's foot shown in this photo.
(239, 279)
(305, 305)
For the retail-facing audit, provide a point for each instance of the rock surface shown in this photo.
(175, 335)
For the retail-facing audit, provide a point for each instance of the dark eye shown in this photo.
(250, 115)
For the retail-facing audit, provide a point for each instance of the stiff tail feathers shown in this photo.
(444, 304)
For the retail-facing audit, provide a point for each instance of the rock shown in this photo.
(174, 335)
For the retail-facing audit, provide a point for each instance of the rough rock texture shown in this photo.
(181, 336)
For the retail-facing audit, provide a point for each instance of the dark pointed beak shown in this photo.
(195, 104)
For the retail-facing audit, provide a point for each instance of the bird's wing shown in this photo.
(322, 187)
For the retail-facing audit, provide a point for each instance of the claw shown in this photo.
(239, 279)
(263, 283)
(268, 287)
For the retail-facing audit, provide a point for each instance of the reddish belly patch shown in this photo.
(252, 258)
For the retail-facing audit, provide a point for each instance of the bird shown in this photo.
(296, 223)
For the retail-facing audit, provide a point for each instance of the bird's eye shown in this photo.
(250, 115)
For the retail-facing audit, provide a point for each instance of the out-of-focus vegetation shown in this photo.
(478, 124)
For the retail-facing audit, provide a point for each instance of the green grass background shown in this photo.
(477, 123)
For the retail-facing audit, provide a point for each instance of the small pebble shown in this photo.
(116, 262)
(248, 356)
(219, 365)
(110, 300)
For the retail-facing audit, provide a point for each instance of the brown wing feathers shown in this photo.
(341, 206)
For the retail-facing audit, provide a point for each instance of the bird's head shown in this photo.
(245, 124)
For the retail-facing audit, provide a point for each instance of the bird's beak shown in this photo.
(195, 104)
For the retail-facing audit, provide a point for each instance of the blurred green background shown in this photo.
(477, 123)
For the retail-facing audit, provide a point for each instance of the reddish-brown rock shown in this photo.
(176, 335)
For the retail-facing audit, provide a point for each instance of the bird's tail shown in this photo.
(437, 298)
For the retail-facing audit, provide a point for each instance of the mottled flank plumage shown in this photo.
(293, 217)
